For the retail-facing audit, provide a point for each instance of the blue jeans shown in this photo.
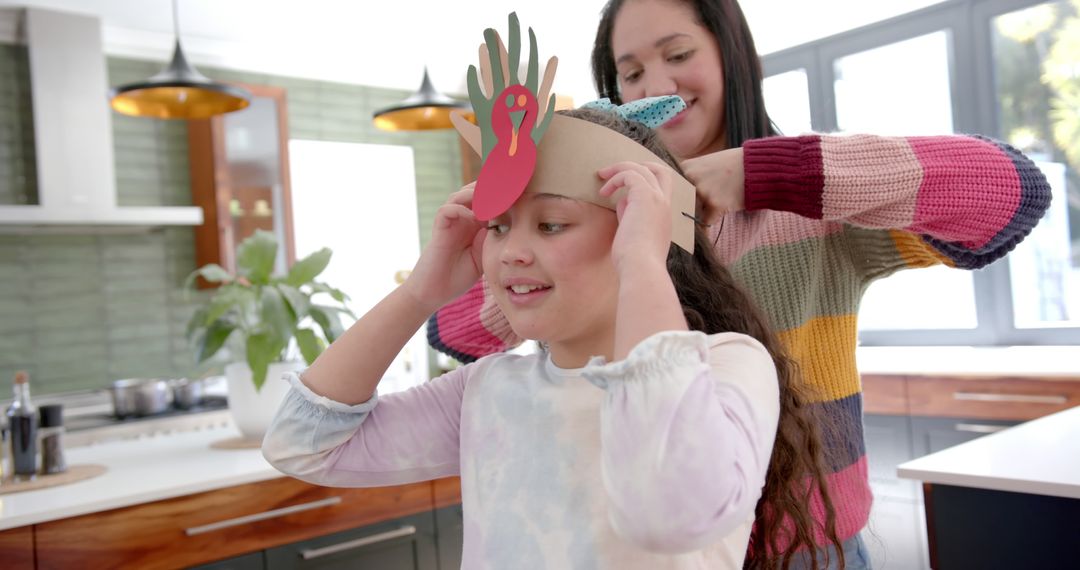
(856, 556)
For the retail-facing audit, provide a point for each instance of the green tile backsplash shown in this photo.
(81, 309)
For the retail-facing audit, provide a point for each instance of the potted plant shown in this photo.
(271, 325)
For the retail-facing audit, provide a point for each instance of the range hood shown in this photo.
(73, 139)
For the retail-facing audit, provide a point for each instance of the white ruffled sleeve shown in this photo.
(687, 427)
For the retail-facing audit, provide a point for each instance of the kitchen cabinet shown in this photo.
(216, 525)
(407, 543)
(239, 165)
(17, 548)
(253, 561)
(990, 529)
(450, 521)
(450, 537)
(889, 442)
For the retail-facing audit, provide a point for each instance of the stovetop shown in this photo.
(89, 418)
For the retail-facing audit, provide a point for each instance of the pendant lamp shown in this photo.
(427, 109)
(178, 92)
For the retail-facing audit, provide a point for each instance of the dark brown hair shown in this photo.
(745, 117)
(713, 302)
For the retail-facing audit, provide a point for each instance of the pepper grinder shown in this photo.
(52, 443)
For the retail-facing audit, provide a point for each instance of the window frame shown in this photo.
(974, 108)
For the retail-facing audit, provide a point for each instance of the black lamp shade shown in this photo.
(427, 109)
(178, 92)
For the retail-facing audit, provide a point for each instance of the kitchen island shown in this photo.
(1007, 500)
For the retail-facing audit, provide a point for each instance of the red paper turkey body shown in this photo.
(510, 164)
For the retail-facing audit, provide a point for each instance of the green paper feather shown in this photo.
(482, 105)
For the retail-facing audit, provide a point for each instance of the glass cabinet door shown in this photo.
(239, 175)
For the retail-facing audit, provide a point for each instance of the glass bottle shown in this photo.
(22, 423)
(5, 450)
(52, 439)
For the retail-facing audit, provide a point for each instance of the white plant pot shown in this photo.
(251, 410)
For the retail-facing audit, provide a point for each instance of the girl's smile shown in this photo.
(524, 292)
(548, 264)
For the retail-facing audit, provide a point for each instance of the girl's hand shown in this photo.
(718, 178)
(644, 213)
(451, 262)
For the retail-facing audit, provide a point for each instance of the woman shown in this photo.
(805, 224)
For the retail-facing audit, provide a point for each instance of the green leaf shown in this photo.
(197, 321)
(227, 298)
(214, 273)
(328, 320)
(255, 256)
(311, 346)
(337, 294)
(262, 349)
(275, 315)
(298, 301)
(214, 339)
(307, 269)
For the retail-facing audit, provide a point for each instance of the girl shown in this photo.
(805, 224)
(640, 437)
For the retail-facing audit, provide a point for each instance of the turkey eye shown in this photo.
(521, 100)
(510, 100)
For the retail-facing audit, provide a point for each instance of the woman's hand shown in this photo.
(451, 262)
(644, 213)
(718, 178)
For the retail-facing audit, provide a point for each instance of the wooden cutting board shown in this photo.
(74, 474)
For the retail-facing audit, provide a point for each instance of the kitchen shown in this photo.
(83, 307)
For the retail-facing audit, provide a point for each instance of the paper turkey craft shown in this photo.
(525, 145)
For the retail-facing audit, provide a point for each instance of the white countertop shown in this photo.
(140, 471)
(1042, 361)
(1040, 457)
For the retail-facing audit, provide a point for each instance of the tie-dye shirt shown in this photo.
(656, 461)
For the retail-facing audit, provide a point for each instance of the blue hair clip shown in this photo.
(650, 111)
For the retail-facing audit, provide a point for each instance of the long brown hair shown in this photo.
(744, 104)
(713, 302)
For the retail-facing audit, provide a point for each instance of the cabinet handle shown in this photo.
(980, 428)
(312, 553)
(262, 516)
(1015, 398)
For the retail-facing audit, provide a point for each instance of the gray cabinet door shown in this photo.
(253, 561)
(450, 536)
(407, 543)
(934, 434)
(888, 444)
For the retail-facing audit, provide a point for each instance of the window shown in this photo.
(1036, 64)
(1009, 69)
(787, 97)
(903, 89)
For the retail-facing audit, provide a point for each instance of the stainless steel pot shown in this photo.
(140, 396)
(187, 392)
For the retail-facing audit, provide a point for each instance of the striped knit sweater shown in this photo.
(825, 217)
